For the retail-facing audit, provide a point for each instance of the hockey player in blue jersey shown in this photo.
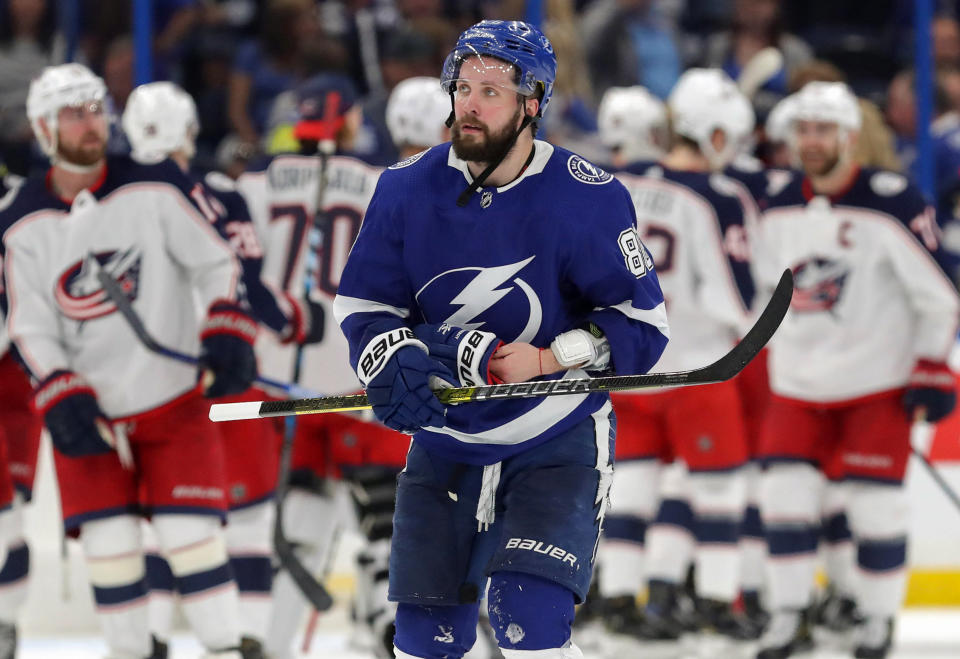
(497, 258)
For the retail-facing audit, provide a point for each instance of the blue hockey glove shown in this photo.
(306, 322)
(932, 387)
(71, 413)
(397, 372)
(227, 364)
(466, 353)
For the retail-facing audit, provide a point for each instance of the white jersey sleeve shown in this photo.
(33, 318)
(195, 244)
(694, 229)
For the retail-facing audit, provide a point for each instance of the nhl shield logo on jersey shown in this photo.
(818, 284)
(585, 172)
(79, 293)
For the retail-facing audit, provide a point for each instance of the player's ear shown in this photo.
(45, 128)
(531, 106)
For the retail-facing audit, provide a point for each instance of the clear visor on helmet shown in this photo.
(82, 110)
(493, 71)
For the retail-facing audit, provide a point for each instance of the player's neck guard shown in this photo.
(75, 168)
(478, 182)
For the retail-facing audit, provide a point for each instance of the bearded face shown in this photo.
(475, 141)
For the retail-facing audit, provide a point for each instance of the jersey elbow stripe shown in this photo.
(656, 316)
(344, 306)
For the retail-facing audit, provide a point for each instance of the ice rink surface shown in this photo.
(921, 634)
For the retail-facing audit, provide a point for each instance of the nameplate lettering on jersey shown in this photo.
(652, 202)
(351, 182)
(283, 178)
(544, 548)
(379, 350)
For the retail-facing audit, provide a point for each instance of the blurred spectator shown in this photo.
(627, 43)
(946, 41)
(875, 147)
(406, 53)
(949, 79)
(233, 156)
(266, 66)
(118, 77)
(945, 133)
(757, 24)
(28, 42)
(104, 21)
(570, 121)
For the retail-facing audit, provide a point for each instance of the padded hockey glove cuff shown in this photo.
(396, 371)
(931, 387)
(306, 322)
(227, 364)
(465, 353)
(585, 348)
(71, 413)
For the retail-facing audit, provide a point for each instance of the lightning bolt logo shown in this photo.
(483, 292)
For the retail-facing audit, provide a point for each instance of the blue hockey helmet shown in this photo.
(515, 42)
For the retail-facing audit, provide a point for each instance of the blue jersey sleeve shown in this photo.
(613, 270)
(234, 225)
(374, 295)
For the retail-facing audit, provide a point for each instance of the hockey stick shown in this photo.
(309, 585)
(113, 290)
(939, 479)
(761, 67)
(723, 369)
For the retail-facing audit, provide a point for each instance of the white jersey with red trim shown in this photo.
(282, 197)
(870, 296)
(694, 226)
(139, 225)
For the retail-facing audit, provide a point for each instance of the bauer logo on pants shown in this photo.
(79, 293)
(547, 549)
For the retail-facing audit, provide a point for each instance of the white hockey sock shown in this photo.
(718, 500)
(669, 549)
(115, 565)
(879, 519)
(161, 583)
(839, 552)
(372, 605)
(249, 543)
(311, 521)
(633, 504)
(16, 567)
(790, 508)
(753, 542)
(197, 554)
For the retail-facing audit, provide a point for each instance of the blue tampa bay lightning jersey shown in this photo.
(548, 252)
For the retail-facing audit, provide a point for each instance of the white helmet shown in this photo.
(160, 119)
(781, 119)
(416, 112)
(829, 102)
(634, 121)
(703, 101)
(55, 88)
